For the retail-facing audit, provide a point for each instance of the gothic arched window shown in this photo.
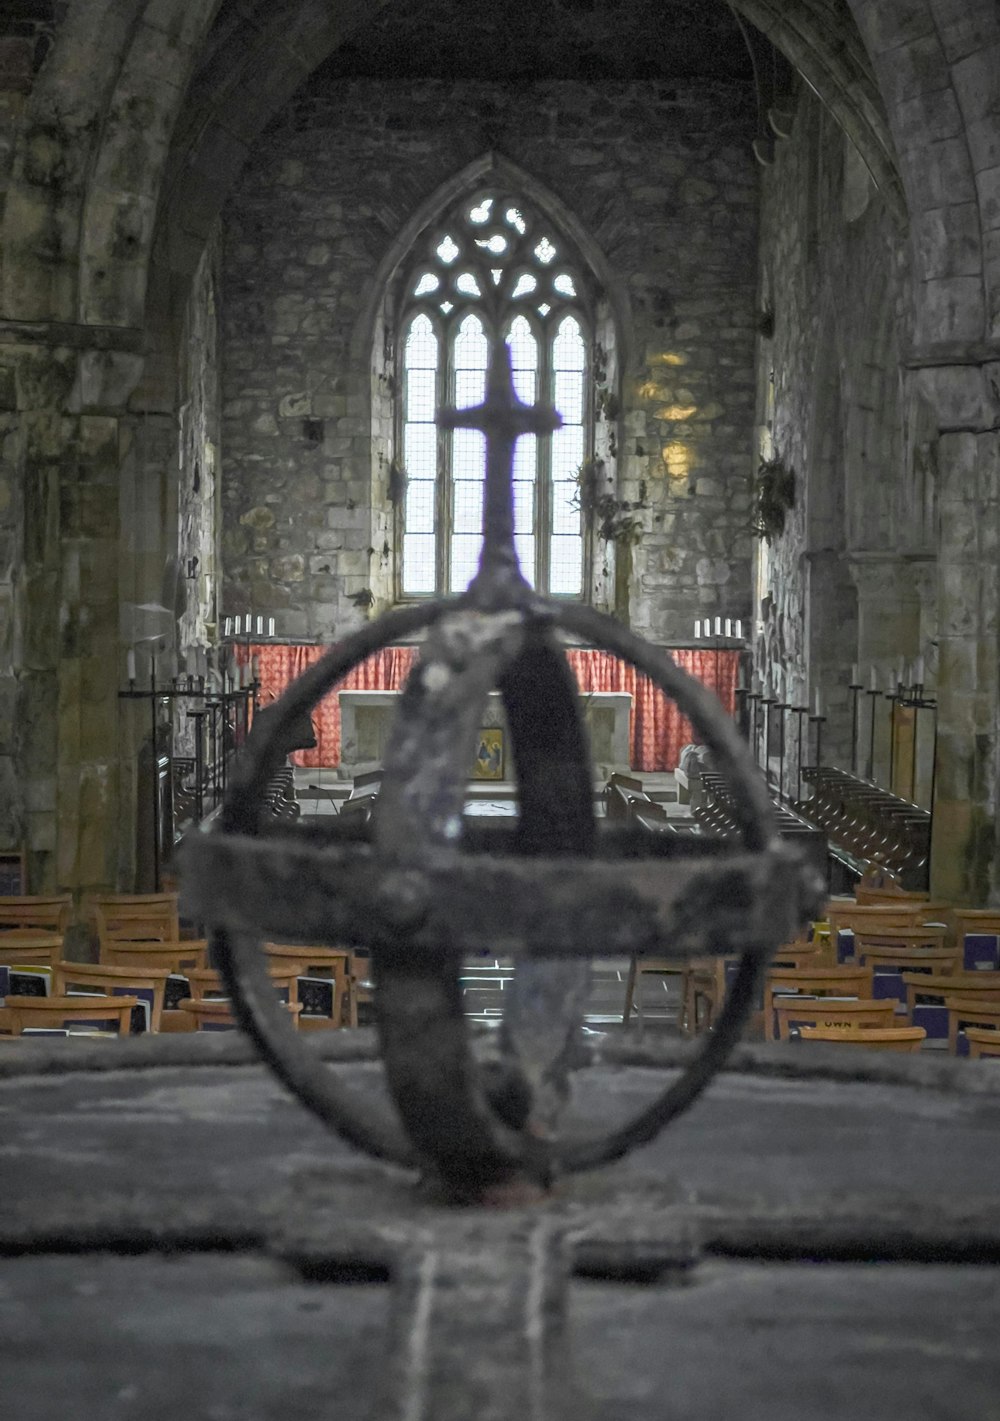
(494, 270)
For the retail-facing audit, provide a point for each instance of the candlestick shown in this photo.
(270, 626)
(729, 626)
(697, 629)
(817, 704)
(855, 675)
(718, 626)
(918, 672)
(874, 681)
(130, 664)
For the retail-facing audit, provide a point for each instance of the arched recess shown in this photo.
(821, 41)
(374, 333)
(936, 65)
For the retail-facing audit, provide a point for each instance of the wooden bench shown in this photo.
(24, 1012)
(878, 1038)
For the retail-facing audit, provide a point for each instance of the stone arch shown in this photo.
(372, 338)
(936, 69)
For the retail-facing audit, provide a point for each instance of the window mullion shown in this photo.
(543, 499)
(445, 397)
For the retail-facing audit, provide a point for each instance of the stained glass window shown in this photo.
(490, 274)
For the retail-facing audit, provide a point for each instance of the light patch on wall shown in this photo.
(675, 412)
(668, 357)
(677, 457)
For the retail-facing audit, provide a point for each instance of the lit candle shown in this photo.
(697, 629)
(818, 704)
(718, 626)
(256, 668)
(855, 675)
(918, 671)
(739, 629)
(901, 673)
(227, 627)
(874, 679)
(236, 626)
(260, 626)
(270, 626)
(130, 663)
(729, 626)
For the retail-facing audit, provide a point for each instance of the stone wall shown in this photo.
(841, 585)
(663, 181)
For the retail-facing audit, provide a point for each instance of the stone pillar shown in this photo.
(965, 861)
(68, 667)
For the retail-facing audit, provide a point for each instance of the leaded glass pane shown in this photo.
(525, 285)
(470, 388)
(420, 450)
(447, 250)
(565, 507)
(421, 349)
(464, 560)
(496, 245)
(567, 348)
(545, 251)
(524, 505)
(468, 454)
(420, 395)
(471, 346)
(418, 563)
(420, 506)
(564, 284)
(567, 395)
(567, 452)
(515, 219)
(566, 566)
(481, 214)
(468, 285)
(467, 505)
(526, 457)
(524, 545)
(427, 283)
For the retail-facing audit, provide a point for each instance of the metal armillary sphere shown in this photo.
(552, 894)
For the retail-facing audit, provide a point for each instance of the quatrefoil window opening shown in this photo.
(494, 267)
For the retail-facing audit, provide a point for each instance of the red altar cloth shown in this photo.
(658, 730)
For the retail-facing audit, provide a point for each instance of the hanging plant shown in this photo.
(773, 497)
(612, 519)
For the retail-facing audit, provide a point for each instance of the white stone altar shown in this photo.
(365, 717)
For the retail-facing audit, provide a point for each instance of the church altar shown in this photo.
(657, 730)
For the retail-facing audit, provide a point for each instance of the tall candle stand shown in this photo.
(214, 703)
(754, 698)
(818, 721)
(855, 689)
(782, 707)
(768, 702)
(801, 713)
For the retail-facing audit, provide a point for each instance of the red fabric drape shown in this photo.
(658, 730)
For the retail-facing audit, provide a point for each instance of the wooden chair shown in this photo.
(360, 988)
(207, 985)
(982, 924)
(813, 982)
(48, 913)
(639, 967)
(791, 1013)
(215, 1014)
(328, 962)
(966, 1011)
(843, 914)
(866, 895)
(941, 985)
(150, 982)
(174, 956)
(24, 1012)
(31, 949)
(879, 1038)
(982, 1042)
(135, 917)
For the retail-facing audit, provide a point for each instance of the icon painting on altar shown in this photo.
(488, 764)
